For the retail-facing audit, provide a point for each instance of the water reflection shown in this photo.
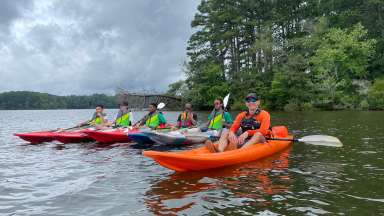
(248, 182)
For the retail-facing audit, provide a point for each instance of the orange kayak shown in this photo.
(201, 158)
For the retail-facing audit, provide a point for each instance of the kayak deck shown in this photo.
(201, 158)
(37, 137)
(109, 136)
(72, 137)
(174, 138)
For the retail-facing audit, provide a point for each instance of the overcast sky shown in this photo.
(93, 46)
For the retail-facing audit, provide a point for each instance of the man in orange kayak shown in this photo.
(253, 124)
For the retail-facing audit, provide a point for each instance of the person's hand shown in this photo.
(242, 137)
(232, 137)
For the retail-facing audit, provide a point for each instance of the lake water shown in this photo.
(94, 179)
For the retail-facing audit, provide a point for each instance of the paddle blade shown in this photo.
(225, 100)
(161, 105)
(322, 140)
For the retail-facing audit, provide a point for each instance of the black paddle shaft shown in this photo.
(283, 139)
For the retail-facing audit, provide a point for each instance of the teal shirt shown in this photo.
(161, 118)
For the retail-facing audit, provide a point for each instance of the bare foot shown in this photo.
(211, 147)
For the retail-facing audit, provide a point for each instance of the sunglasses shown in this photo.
(251, 100)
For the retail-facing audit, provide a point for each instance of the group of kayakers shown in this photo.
(249, 127)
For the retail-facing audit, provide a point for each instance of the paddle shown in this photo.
(225, 100)
(321, 140)
(160, 106)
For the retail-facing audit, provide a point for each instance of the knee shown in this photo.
(258, 137)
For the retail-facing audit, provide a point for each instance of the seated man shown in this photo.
(254, 125)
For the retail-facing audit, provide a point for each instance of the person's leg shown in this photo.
(220, 145)
(256, 138)
(223, 141)
(231, 146)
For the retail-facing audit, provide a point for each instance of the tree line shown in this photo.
(34, 100)
(295, 54)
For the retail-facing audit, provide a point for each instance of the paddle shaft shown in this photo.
(284, 139)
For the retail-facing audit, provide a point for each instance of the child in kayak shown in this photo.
(122, 118)
(98, 118)
(154, 119)
(254, 124)
(219, 120)
(187, 118)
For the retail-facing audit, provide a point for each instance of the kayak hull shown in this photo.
(202, 159)
(37, 137)
(73, 137)
(139, 137)
(175, 138)
(109, 136)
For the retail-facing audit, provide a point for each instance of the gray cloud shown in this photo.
(82, 47)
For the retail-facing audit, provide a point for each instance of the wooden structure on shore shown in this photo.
(141, 101)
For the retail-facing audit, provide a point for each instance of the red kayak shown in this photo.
(109, 136)
(73, 137)
(37, 137)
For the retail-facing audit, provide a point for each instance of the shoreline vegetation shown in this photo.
(26, 100)
(296, 55)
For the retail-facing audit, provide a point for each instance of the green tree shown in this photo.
(376, 95)
(342, 56)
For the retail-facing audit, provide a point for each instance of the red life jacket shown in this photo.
(184, 121)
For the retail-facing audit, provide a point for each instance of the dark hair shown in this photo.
(100, 105)
(125, 103)
(153, 104)
(219, 99)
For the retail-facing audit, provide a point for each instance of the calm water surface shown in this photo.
(94, 179)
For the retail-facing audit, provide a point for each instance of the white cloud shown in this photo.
(82, 47)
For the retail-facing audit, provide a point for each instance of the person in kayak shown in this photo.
(187, 118)
(122, 118)
(154, 119)
(98, 117)
(253, 124)
(219, 119)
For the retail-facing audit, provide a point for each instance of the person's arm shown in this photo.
(162, 119)
(178, 124)
(236, 124)
(194, 119)
(141, 122)
(265, 123)
(103, 119)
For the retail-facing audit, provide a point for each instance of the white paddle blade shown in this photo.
(225, 100)
(161, 105)
(323, 140)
